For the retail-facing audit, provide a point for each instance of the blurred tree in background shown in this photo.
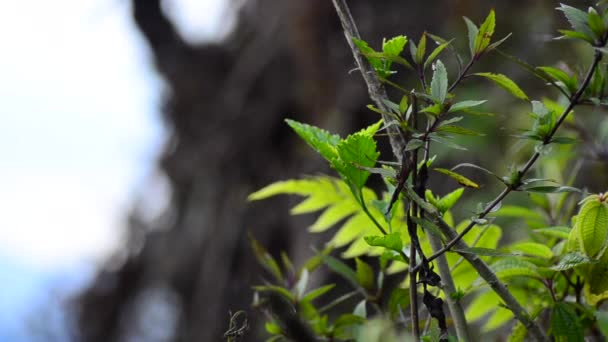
(225, 105)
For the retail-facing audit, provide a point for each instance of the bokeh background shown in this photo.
(131, 132)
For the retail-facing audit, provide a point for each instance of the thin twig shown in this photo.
(510, 187)
(482, 269)
(375, 88)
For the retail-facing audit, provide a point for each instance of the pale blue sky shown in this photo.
(79, 133)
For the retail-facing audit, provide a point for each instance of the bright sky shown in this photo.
(78, 123)
(79, 134)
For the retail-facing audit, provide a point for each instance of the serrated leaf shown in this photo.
(439, 83)
(462, 180)
(319, 139)
(486, 30)
(505, 83)
(436, 53)
(572, 260)
(358, 149)
(565, 324)
(391, 241)
(577, 19)
(512, 267)
(592, 222)
(394, 46)
(365, 275)
(472, 32)
(465, 105)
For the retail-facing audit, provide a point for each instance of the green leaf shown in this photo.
(520, 212)
(473, 31)
(565, 324)
(602, 322)
(302, 283)
(464, 105)
(595, 23)
(532, 249)
(482, 305)
(348, 319)
(365, 275)
(459, 130)
(572, 260)
(576, 35)
(414, 144)
(319, 139)
(486, 30)
(399, 300)
(512, 267)
(317, 292)
(265, 259)
(272, 328)
(357, 149)
(560, 232)
(421, 51)
(360, 309)
(391, 241)
(281, 291)
(577, 19)
(449, 200)
(462, 180)
(394, 46)
(560, 76)
(333, 215)
(496, 44)
(436, 53)
(341, 268)
(592, 222)
(506, 83)
(439, 83)
(428, 226)
(403, 104)
(596, 282)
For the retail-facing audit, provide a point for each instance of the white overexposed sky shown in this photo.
(79, 128)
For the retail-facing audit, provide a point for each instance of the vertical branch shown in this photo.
(374, 87)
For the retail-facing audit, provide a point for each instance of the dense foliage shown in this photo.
(552, 282)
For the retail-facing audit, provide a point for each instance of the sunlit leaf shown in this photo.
(506, 83)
